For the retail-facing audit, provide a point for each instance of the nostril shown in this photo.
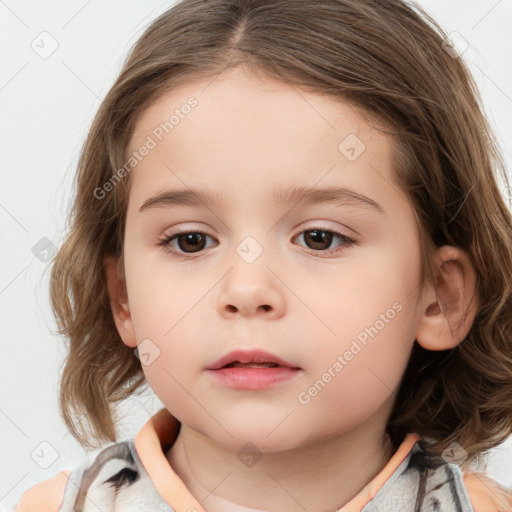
(234, 309)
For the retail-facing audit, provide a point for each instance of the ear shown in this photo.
(449, 310)
(117, 292)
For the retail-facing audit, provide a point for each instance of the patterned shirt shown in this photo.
(135, 476)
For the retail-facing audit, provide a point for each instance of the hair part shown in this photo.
(386, 58)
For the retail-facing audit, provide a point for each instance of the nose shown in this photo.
(251, 291)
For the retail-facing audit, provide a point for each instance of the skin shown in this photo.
(247, 135)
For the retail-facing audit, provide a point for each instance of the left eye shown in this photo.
(191, 242)
(318, 238)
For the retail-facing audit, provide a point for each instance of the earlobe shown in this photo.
(119, 302)
(449, 310)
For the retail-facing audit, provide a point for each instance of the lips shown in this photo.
(250, 359)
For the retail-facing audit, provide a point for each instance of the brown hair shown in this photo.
(388, 59)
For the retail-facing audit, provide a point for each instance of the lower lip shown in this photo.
(254, 378)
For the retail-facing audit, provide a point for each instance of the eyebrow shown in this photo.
(329, 195)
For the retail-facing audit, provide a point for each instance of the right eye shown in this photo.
(193, 241)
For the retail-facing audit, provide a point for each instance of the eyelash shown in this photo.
(165, 243)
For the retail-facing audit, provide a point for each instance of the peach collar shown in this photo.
(160, 431)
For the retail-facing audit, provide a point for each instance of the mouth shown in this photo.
(250, 359)
(253, 370)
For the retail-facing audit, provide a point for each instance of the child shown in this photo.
(363, 374)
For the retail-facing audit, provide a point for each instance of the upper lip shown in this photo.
(249, 356)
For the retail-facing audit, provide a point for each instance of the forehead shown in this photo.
(258, 132)
(250, 102)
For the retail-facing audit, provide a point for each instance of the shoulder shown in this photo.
(486, 494)
(112, 467)
(45, 496)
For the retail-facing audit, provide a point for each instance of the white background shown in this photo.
(47, 106)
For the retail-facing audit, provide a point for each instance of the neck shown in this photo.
(321, 476)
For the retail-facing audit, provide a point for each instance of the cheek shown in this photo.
(374, 288)
(167, 325)
(368, 320)
(161, 302)
(351, 379)
(175, 358)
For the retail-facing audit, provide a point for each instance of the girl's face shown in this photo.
(332, 284)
